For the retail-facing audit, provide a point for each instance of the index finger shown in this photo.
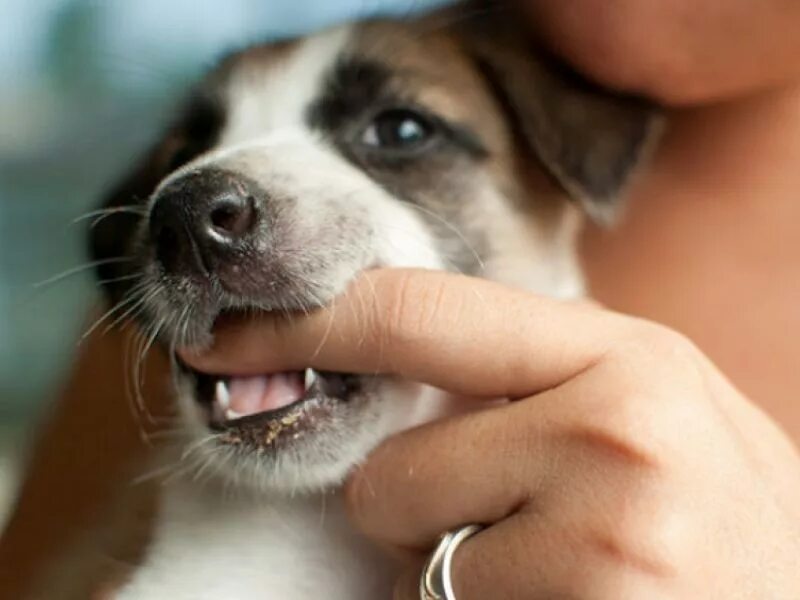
(465, 335)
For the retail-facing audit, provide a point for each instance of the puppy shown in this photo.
(443, 142)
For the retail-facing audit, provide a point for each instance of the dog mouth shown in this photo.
(271, 409)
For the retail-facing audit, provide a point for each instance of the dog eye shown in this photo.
(398, 129)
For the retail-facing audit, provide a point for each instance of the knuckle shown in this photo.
(651, 342)
(624, 422)
(616, 442)
(655, 370)
(626, 545)
(637, 541)
(642, 429)
(643, 527)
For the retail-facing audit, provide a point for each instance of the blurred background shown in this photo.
(85, 86)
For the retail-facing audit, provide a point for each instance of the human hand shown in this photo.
(625, 466)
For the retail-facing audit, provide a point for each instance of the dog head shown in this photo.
(445, 142)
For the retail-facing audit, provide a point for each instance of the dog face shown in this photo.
(444, 143)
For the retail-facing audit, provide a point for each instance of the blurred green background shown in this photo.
(84, 86)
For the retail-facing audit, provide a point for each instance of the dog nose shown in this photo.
(230, 217)
(201, 220)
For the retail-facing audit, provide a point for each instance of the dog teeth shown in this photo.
(310, 378)
(223, 396)
(232, 415)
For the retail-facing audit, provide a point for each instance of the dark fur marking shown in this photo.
(351, 89)
(196, 130)
(588, 138)
(199, 128)
(357, 90)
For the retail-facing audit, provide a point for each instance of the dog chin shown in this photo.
(317, 426)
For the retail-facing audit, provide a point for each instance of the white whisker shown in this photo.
(80, 269)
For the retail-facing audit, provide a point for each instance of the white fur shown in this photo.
(212, 547)
(209, 545)
(275, 98)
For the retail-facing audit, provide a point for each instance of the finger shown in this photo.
(522, 557)
(462, 334)
(531, 556)
(439, 476)
(585, 448)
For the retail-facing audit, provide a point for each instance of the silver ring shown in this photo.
(435, 583)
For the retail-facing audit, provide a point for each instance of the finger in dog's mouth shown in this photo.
(270, 408)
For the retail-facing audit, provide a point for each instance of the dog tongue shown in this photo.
(251, 395)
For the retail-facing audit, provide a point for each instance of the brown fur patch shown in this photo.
(453, 87)
(101, 561)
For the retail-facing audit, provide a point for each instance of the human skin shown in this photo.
(625, 465)
(710, 246)
(681, 52)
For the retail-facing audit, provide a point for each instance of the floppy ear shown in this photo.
(111, 235)
(193, 131)
(590, 139)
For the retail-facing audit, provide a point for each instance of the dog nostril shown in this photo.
(233, 218)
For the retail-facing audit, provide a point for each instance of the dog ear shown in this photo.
(124, 204)
(195, 129)
(591, 140)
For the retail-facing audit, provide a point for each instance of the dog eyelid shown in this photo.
(398, 129)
